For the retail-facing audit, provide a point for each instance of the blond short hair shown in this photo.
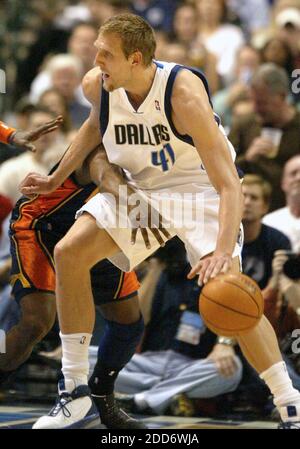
(265, 186)
(136, 35)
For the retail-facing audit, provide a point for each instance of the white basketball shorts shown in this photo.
(191, 213)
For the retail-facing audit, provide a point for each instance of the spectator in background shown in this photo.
(278, 51)
(260, 241)
(175, 52)
(247, 62)
(290, 288)
(178, 355)
(287, 219)
(100, 11)
(53, 100)
(253, 14)
(159, 13)
(80, 45)
(264, 141)
(64, 72)
(287, 22)
(220, 38)
(185, 32)
(13, 171)
(48, 37)
(186, 24)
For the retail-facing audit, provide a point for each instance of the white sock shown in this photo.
(75, 361)
(280, 384)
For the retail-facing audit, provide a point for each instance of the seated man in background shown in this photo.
(265, 140)
(287, 219)
(178, 353)
(260, 241)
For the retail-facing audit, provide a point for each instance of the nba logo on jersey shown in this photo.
(2, 342)
(157, 105)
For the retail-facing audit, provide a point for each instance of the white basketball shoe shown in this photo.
(75, 410)
(291, 416)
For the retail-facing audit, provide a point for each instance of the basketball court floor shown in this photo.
(23, 417)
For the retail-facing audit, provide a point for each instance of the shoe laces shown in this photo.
(61, 404)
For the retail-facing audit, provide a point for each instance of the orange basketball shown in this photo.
(231, 304)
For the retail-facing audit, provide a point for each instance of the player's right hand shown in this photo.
(36, 184)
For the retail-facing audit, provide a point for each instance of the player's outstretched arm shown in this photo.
(87, 138)
(193, 115)
(24, 139)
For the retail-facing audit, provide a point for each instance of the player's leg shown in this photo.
(260, 347)
(82, 247)
(116, 294)
(38, 313)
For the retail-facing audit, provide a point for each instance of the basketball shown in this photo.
(231, 304)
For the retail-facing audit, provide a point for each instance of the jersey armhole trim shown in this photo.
(168, 93)
(104, 111)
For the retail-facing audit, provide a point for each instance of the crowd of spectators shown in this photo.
(249, 51)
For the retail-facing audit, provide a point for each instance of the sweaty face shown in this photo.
(254, 204)
(115, 68)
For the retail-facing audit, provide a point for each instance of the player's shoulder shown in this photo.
(186, 85)
(91, 85)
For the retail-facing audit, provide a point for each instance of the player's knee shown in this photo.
(36, 331)
(64, 252)
(37, 327)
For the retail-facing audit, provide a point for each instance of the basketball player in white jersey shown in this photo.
(157, 124)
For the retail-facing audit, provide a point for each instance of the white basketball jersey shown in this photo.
(145, 143)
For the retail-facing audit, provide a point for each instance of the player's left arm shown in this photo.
(193, 115)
